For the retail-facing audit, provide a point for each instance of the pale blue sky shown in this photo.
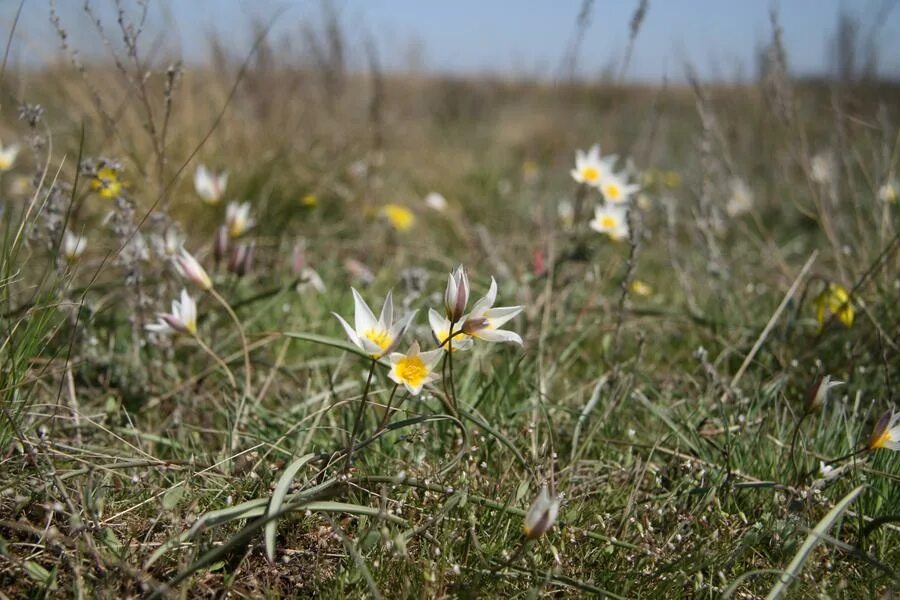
(511, 37)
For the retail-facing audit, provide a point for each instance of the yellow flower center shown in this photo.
(411, 370)
(590, 174)
(379, 337)
(309, 200)
(236, 228)
(5, 162)
(882, 440)
(612, 191)
(453, 344)
(608, 222)
(191, 326)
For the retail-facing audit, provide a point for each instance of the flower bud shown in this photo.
(188, 267)
(542, 515)
(456, 296)
(220, 244)
(817, 393)
(242, 259)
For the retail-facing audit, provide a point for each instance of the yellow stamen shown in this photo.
(612, 191)
(608, 222)
(379, 337)
(590, 174)
(411, 370)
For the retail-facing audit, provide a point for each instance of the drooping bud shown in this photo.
(242, 259)
(817, 393)
(542, 515)
(188, 267)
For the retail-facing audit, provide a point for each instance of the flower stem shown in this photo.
(239, 415)
(387, 411)
(218, 360)
(359, 413)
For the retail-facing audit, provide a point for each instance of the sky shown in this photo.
(515, 38)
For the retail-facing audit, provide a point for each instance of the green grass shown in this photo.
(129, 468)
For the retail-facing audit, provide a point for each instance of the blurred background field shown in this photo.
(662, 386)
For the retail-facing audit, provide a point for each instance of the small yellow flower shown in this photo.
(639, 288)
(399, 216)
(309, 201)
(106, 183)
(671, 179)
(834, 300)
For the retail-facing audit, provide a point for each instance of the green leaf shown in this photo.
(40, 575)
(812, 540)
(173, 496)
(281, 490)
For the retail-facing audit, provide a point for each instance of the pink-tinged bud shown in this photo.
(817, 393)
(456, 296)
(242, 259)
(220, 244)
(542, 515)
(188, 267)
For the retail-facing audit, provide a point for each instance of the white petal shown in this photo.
(349, 330)
(438, 322)
(498, 335)
(387, 311)
(431, 357)
(362, 314)
(487, 301)
(500, 315)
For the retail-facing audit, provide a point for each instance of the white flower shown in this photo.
(456, 296)
(210, 186)
(436, 201)
(822, 168)
(886, 433)
(73, 246)
(616, 189)
(237, 218)
(611, 219)
(484, 321)
(414, 369)
(172, 241)
(182, 319)
(440, 328)
(309, 278)
(8, 156)
(741, 199)
(188, 267)
(376, 337)
(888, 191)
(541, 515)
(590, 168)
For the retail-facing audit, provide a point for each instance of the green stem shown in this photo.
(359, 413)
